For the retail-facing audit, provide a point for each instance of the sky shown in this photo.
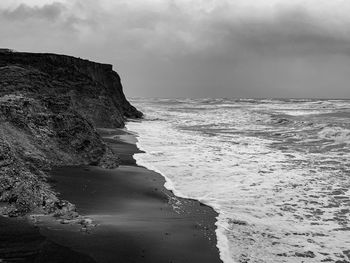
(196, 48)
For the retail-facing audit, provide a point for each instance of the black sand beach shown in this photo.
(138, 220)
(20, 241)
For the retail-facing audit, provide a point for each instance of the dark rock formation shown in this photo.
(92, 89)
(49, 108)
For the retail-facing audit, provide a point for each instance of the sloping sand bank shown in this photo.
(138, 220)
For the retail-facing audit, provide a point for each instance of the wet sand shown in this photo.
(20, 241)
(138, 220)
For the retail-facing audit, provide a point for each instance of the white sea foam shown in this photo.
(147, 160)
(337, 134)
(141, 159)
(280, 191)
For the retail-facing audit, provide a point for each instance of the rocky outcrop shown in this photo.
(94, 90)
(49, 108)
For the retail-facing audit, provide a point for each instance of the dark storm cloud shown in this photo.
(291, 32)
(196, 48)
(174, 29)
(24, 11)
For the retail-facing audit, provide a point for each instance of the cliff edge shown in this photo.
(93, 89)
(49, 107)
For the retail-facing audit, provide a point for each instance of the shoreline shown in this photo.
(138, 219)
(222, 241)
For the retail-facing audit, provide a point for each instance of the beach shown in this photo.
(133, 217)
(21, 241)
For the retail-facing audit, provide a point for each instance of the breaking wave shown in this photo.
(276, 171)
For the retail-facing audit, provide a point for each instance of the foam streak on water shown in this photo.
(277, 171)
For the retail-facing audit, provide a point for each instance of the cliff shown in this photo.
(94, 90)
(49, 108)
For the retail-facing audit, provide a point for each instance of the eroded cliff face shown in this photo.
(49, 108)
(92, 89)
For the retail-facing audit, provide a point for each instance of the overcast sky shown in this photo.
(196, 48)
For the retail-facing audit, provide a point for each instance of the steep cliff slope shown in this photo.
(94, 89)
(49, 108)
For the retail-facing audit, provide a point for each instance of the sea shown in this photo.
(277, 171)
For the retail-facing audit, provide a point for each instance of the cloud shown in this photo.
(199, 43)
(181, 28)
(293, 31)
(23, 12)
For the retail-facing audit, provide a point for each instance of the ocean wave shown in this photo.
(336, 134)
(279, 198)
